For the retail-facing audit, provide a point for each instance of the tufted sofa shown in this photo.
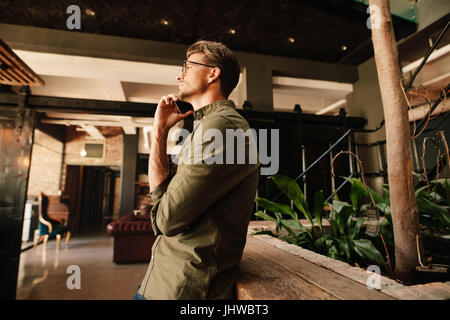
(133, 237)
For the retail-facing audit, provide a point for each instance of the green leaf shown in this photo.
(437, 198)
(384, 208)
(443, 189)
(421, 191)
(376, 197)
(292, 190)
(278, 221)
(439, 213)
(334, 226)
(289, 229)
(277, 207)
(345, 248)
(342, 218)
(265, 216)
(336, 197)
(293, 224)
(338, 205)
(366, 250)
(386, 197)
(357, 191)
(364, 207)
(387, 230)
(323, 244)
(318, 207)
(333, 251)
(356, 228)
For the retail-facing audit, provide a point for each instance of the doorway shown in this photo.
(90, 190)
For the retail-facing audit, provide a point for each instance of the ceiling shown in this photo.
(322, 30)
(326, 30)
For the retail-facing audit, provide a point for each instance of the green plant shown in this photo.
(298, 234)
(434, 216)
(433, 203)
(345, 241)
(433, 207)
(351, 245)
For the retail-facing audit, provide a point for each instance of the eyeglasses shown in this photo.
(183, 69)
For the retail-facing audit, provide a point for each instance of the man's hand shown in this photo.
(167, 114)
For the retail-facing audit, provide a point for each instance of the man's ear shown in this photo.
(214, 74)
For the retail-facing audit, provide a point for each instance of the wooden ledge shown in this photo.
(274, 269)
(270, 273)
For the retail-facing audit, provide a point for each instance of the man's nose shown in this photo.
(180, 76)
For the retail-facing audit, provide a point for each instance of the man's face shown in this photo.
(194, 81)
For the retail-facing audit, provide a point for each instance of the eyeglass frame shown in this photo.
(183, 68)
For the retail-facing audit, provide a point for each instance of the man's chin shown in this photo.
(182, 96)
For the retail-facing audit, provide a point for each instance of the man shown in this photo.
(200, 213)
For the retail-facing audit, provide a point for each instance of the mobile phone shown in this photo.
(183, 107)
(188, 122)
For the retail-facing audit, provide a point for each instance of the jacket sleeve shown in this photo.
(194, 188)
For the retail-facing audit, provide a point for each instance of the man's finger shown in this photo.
(170, 100)
(181, 116)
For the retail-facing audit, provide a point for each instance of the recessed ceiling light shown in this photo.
(291, 40)
(89, 12)
(232, 31)
(344, 48)
(165, 22)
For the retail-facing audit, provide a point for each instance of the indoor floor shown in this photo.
(44, 273)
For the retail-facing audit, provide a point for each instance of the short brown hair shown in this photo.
(217, 54)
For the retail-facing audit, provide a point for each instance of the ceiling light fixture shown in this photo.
(232, 31)
(344, 48)
(89, 12)
(291, 40)
(164, 22)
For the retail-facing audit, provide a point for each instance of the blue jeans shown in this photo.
(138, 296)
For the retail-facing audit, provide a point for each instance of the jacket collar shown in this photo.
(211, 108)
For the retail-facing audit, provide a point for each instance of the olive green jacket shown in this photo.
(201, 213)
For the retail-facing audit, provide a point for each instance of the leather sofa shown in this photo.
(133, 237)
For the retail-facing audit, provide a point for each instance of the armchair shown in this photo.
(133, 236)
(49, 227)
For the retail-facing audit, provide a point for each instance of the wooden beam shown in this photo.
(15, 70)
(92, 131)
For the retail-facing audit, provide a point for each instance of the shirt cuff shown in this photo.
(156, 196)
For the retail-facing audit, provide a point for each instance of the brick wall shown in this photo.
(47, 155)
(75, 141)
(45, 167)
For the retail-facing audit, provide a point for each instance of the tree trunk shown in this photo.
(405, 215)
